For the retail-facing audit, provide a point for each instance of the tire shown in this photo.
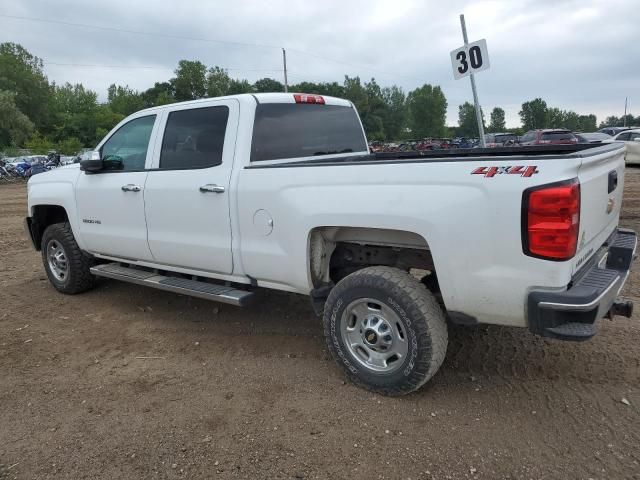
(372, 305)
(69, 272)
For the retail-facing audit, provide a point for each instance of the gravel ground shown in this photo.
(129, 382)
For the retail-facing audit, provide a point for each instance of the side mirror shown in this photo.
(92, 164)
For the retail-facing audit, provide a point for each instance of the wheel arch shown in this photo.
(329, 247)
(43, 215)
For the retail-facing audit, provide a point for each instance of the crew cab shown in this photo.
(218, 197)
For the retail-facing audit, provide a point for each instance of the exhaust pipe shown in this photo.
(624, 308)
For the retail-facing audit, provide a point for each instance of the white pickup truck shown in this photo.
(217, 197)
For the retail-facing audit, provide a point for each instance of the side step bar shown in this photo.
(184, 286)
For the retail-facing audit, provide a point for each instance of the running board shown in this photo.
(184, 286)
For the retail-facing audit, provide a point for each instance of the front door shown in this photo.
(111, 202)
(187, 193)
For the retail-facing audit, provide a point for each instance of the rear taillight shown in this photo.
(305, 98)
(544, 142)
(551, 220)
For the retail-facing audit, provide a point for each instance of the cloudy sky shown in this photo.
(580, 55)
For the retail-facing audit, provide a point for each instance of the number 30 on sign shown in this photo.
(470, 58)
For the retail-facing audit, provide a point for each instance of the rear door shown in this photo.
(187, 194)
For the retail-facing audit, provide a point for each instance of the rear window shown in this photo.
(558, 136)
(291, 130)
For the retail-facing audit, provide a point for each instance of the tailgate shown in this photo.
(601, 176)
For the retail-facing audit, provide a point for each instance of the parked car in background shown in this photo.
(67, 159)
(595, 137)
(615, 130)
(549, 136)
(462, 142)
(500, 139)
(631, 139)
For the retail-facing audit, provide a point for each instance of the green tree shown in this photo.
(105, 120)
(15, 126)
(218, 82)
(376, 112)
(190, 82)
(268, 85)
(611, 121)
(497, 120)
(75, 111)
(555, 118)
(571, 120)
(124, 100)
(333, 89)
(39, 145)
(533, 114)
(395, 115)
(239, 86)
(627, 120)
(161, 93)
(21, 73)
(69, 146)
(427, 108)
(467, 121)
(587, 123)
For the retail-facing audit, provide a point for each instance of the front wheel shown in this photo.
(386, 330)
(67, 267)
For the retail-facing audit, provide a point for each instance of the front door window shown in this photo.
(127, 148)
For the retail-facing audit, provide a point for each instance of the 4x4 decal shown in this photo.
(521, 170)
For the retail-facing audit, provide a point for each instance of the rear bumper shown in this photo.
(572, 313)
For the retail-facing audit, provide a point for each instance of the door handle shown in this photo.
(210, 187)
(130, 187)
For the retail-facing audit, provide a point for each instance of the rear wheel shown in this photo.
(386, 330)
(67, 267)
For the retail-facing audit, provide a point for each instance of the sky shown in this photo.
(577, 55)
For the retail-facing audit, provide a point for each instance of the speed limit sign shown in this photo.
(470, 58)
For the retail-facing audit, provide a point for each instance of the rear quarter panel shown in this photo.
(471, 222)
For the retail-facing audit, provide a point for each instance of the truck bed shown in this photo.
(450, 155)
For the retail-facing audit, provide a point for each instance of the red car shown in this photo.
(549, 136)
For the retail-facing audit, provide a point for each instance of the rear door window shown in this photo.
(291, 130)
(194, 138)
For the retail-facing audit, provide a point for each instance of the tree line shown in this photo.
(41, 115)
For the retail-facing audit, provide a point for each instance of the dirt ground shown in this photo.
(129, 382)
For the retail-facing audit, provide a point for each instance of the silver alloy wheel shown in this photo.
(375, 335)
(57, 260)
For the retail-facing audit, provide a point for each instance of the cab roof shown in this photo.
(291, 97)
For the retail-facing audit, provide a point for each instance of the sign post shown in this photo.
(467, 60)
